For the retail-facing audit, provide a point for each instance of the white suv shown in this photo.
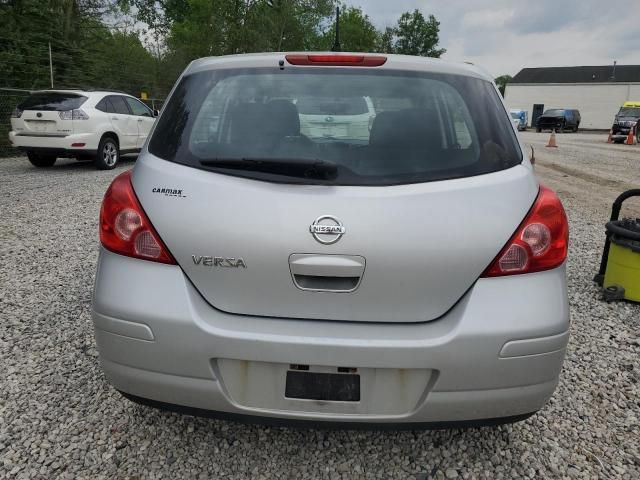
(336, 118)
(96, 125)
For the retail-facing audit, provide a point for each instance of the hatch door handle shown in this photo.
(328, 273)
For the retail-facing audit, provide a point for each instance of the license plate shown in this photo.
(40, 125)
(332, 387)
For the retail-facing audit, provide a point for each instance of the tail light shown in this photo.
(125, 228)
(540, 243)
(17, 113)
(73, 115)
(337, 60)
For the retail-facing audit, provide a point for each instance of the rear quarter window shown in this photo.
(119, 105)
(105, 105)
(379, 127)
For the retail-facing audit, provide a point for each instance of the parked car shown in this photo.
(521, 118)
(96, 125)
(348, 118)
(627, 117)
(247, 268)
(559, 119)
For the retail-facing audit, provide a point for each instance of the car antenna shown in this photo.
(336, 45)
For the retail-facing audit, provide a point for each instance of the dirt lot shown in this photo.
(60, 419)
(587, 168)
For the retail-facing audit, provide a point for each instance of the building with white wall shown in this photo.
(598, 92)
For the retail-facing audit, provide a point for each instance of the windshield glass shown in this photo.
(515, 115)
(378, 127)
(55, 101)
(629, 112)
(554, 113)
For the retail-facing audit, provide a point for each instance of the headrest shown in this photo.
(410, 128)
(282, 118)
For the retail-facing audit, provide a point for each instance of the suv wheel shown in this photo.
(575, 129)
(108, 154)
(41, 161)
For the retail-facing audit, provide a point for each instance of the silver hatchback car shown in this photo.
(414, 275)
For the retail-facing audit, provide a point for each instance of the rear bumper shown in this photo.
(498, 353)
(278, 421)
(60, 145)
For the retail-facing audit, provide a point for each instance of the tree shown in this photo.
(386, 40)
(502, 82)
(357, 33)
(85, 51)
(415, 35)
(159, 15)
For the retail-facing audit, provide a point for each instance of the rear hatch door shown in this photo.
(421, 246)
(44, 123)
(419, 205)
(49, 113)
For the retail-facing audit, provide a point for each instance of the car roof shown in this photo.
(82, 92)
(394, 62)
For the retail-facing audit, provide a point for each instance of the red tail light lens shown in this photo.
(337, 60)
(540, 243)
(125, 228)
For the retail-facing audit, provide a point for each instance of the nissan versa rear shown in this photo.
(408, 272)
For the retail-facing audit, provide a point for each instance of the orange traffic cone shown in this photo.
(610, 139)
(552, 140)
(631, 138)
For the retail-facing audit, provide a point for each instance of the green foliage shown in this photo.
(85, 52)
(158, 14)
(357, 33)
(386, 41)
(502, 82)
(101, 44)
(415, 35)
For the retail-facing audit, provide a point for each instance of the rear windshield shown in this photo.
(53, 101)
(380, 127)
(557, 113)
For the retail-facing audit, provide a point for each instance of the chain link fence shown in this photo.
(9, 99)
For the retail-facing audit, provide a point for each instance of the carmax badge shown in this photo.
(327, 229)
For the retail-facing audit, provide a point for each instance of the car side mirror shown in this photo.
(156, 112)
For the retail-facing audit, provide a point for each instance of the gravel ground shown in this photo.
(60, 419)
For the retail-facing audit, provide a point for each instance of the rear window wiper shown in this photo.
(291, 167)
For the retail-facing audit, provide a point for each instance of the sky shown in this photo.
(504, 36)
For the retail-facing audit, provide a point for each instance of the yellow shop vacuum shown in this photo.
(619, 272)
